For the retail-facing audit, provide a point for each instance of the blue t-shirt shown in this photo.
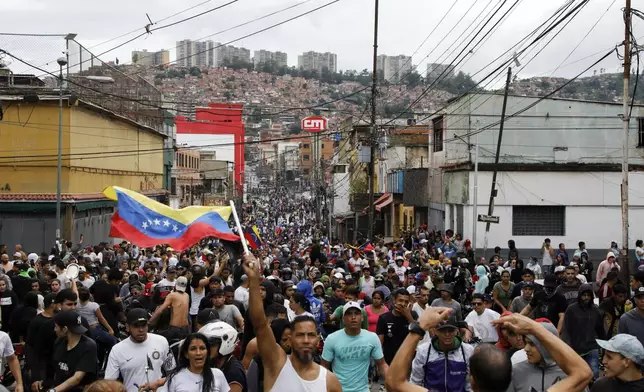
(350, 357)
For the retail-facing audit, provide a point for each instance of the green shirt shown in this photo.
(338, 315)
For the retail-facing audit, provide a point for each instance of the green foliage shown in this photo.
(459, 84)
(195, 71)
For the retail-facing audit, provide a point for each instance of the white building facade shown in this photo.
(559, 171)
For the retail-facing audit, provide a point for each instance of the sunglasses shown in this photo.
(477, 303)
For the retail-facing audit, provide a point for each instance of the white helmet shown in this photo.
(223, 332)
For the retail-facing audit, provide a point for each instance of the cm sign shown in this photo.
(314, 124)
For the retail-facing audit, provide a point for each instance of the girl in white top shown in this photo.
(194, 372)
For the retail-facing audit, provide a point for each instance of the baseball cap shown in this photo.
(181, 284)
(70, 319)
(171, 269)
(550, 281)
(206, 316)
(529, 285)
(82, 268)
(217, 293)
(147, 291)
(350, 305)
(639, 291)
(560, 268)
(627, 345)
(338, 275)
(450, 323)
(137, 315)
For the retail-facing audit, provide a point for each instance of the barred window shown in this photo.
(539, 220)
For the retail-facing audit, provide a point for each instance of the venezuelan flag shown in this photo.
(147, 223)
(252, 237)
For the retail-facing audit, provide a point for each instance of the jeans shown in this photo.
(104, 340)
(592, 359)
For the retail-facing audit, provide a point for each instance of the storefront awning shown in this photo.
(385, 202)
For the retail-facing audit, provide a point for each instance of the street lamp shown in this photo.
(62, 61)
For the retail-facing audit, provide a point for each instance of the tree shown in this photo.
(135, 58)
(195, 71)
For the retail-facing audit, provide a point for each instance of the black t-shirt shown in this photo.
(34, 328)
(104, 293)
(80, 358)
(605, 384)
(548, 307)
(395, 330)
(8, 302)
(234, 372)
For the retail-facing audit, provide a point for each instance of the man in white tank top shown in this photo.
(296, 372)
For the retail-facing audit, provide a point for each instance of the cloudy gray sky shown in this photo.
(345, 28)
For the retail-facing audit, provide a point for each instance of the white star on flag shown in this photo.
(150, 222)
(175, 228)
(157, 222)
(166, 223)
(145, 225)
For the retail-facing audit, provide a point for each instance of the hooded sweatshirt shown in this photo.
(483, 282)
(583, 323)
(317, 310)
(605, 267)
(527, 377)
(632, 323)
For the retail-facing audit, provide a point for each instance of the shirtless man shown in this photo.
(179, 302)
(281, 371)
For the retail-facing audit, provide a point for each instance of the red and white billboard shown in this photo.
(314, 124)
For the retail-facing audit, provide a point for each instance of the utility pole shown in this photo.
(626, 122)
(490, 209)
(373, 134)
(475, 202)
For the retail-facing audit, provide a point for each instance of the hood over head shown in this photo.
(481, 271)
(305, 287)
(270, 292)
(585, 288)
(609, 255)
(503, 343)
(545, 354)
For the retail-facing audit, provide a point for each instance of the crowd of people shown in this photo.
(306, 313)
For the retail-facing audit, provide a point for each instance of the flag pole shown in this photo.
(239, 228)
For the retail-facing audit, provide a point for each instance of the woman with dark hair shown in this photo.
(198, 285)
(516, 275)
(376, 308)
(22, 316)
(194, 368)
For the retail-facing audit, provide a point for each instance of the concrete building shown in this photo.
(195, 53)
(217, 178)
(228, 54)
(394, 68)
(444, 71)
(558, 174)
(277, 59)
(188, 183)
(314, 61)
(150, 59)
(100, 149)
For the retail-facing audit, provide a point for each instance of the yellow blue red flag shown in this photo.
(147, 222)
(252, 237)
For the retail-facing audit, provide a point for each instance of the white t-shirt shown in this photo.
(418, 309)
(186, 381)
(6, 349)
(241, 295)
(128, 360)
(166, 283)
(482, 325)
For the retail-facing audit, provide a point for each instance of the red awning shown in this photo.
(383, 203)
(379, 200)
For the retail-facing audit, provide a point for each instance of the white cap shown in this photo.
(338, 275)
(181, 284)
(350, 305)
(411, 289)
(32, 257)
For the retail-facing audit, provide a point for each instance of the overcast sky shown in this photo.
(345, 28)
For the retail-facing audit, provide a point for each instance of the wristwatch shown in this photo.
(415, 328)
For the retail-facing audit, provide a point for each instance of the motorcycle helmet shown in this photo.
(221, 333)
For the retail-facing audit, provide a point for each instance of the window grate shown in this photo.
(437, 134)
(640, 132)
(539, 220)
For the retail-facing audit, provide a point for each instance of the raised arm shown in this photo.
(396, 380)
(273, 357)
(577, 371)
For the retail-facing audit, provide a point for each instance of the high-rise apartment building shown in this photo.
(143, 57)
(395, 68)
(195, 53)
(229, 54)
(279, 59)
(444, 71)
(314, 61)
